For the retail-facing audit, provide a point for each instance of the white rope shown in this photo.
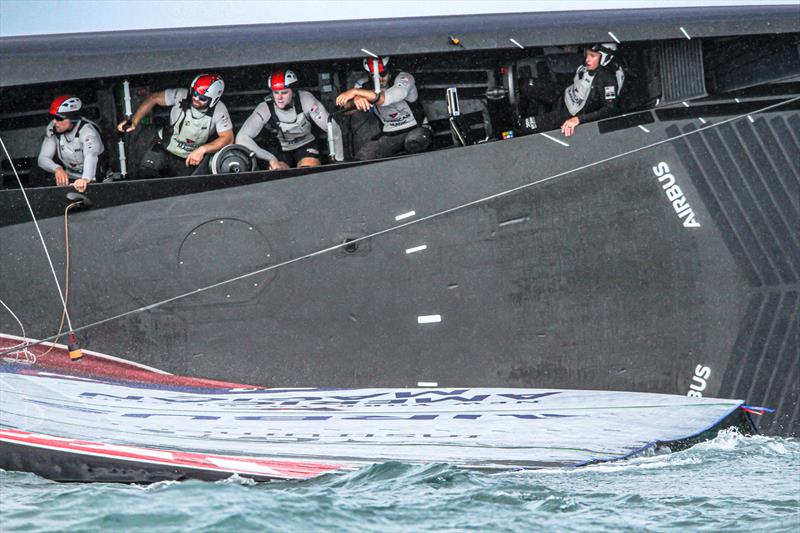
(417, 221)
(20, 351)
(39, 231)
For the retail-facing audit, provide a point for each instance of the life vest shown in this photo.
(578, 94)
(70, 147)
(188, 131)
(291, 134)
(399, 116)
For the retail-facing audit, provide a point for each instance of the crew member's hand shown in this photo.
(362, 103)
(122, 129)
(62, 178)
(345, 97)
(277, 164)
(196, 156)
(569, 125)
(81, 184)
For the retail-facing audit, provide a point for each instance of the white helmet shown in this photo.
(381, 62)
(66, 106)
(207, 87)
(606, 51)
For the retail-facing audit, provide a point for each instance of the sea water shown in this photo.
(732, 483)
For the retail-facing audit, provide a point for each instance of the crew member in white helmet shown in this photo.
(71, 146)
(397, 106)
(288, 116)
(594, 93)
(199, 126)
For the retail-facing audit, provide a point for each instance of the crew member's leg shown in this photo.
(308, 155)
(176, 166)
(537, 92)
(153, 161)
(380, 146)
(547, 121)
(417, 140)
(203, 168)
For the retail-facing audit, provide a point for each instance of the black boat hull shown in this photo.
(587, 276)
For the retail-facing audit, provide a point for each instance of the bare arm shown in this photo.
(360, 97)
(223, 139)
(144, 109)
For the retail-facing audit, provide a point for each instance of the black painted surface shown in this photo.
(42, 59)
(588, 280)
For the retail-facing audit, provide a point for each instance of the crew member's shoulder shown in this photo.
(175, 95)
(88, 129)
(404, 79)
(307, 98)
(49, 130)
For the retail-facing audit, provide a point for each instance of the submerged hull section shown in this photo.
(91, 428)
(622, 261)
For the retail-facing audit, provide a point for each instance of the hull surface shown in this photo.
(544, 265)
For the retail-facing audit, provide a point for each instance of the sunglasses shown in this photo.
(60, 117)
(201, 97)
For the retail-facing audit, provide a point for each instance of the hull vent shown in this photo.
(682, 75)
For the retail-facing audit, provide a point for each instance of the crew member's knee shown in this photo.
(417, 140)
(309, 162)
(151, 164)
(370, 150)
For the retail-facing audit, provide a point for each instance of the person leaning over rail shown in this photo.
(288, 115)
(594, 93)
(197, 115)
(397, 106)
(74, 141)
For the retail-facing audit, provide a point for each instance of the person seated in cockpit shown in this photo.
(72, 145)
(397, 106)
(594, 93)
(199, 126)
(288, 116)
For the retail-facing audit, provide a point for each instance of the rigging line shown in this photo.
(18, 322)
(39, 231)
(66, 273)
(415, 221)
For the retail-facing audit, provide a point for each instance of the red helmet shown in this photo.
(381, 62)
(66, 106)
(281, 79)
(208, 87)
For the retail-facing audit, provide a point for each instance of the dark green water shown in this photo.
(733, 483)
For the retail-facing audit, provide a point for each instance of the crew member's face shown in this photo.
(282, 97)
(200, 101)
(61, 124)
(592, 60)
(384, 80)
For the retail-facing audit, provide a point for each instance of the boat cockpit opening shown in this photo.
(468, 97)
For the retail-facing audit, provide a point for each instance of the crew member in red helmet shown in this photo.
(199, 125)
(72, 144)
(288, 115)
(397, 106)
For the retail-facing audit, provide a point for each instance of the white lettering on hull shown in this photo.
(699, 381)
(675, 196)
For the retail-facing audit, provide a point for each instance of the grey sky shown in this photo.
(30, 17)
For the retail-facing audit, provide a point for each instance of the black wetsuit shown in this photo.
(600, 102)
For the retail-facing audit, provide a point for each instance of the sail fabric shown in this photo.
(473, 427)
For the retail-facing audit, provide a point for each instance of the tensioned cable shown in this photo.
(41, 238)
(415, 221)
